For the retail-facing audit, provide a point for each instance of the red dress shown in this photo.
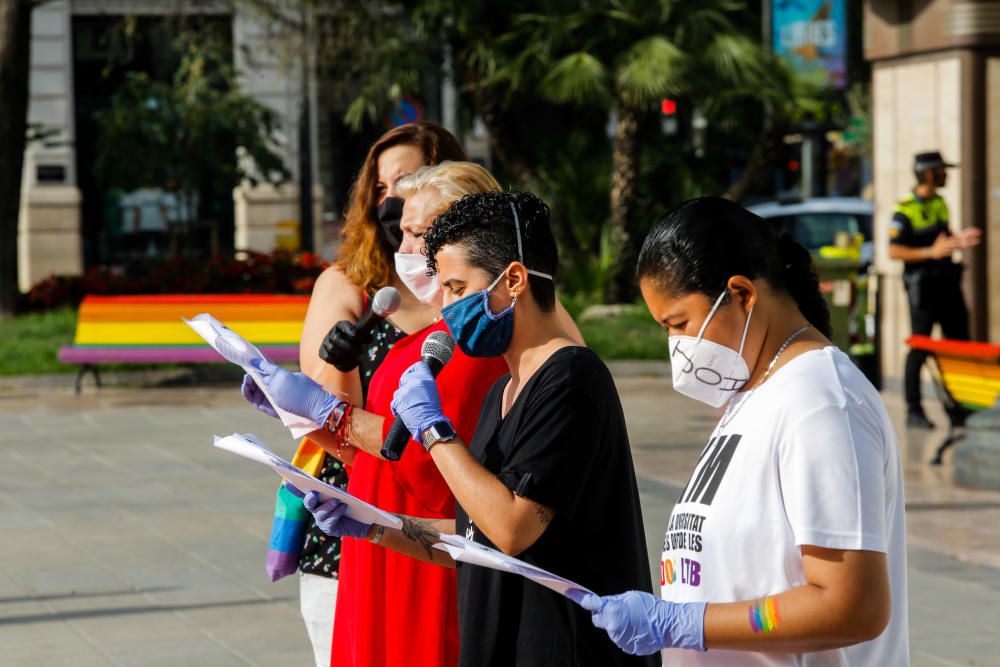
(393, 610)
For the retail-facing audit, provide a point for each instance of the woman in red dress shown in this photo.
(391, 609)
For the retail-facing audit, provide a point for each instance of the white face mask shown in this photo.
(412, 270)
(707, 371)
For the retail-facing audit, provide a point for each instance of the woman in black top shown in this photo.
(548, 476)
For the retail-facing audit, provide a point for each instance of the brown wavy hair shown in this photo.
(364, 257)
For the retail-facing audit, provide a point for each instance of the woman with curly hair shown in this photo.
(547, 474)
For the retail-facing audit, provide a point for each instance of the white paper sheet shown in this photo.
(211, 330)
(249, 446)
(471, 552)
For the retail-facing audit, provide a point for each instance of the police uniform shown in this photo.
(933, 287)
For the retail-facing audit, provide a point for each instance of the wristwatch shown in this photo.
(439, 432)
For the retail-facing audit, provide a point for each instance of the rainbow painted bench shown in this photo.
(967, 377)
(148, 329)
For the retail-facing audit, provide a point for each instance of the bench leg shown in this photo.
(83, 371)
(953, 437)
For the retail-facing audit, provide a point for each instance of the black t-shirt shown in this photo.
(563, 444)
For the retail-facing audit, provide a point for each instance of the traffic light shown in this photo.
(668, 116)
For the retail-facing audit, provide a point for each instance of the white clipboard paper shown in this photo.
(249, 446)
(211, 330)
(474, 553)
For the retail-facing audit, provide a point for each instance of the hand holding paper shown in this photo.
(641, 624)
(331, 519)
(295, 393)
(248, 446)
(236, 349)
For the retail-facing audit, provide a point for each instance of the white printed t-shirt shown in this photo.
(809, 458)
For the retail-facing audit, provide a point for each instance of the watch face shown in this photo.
(444, 431)
(438, 432)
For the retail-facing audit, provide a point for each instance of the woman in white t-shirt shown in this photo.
(788, 545)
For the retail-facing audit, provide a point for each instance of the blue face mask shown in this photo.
(477, 331)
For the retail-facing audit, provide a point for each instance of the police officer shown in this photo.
(919, 236)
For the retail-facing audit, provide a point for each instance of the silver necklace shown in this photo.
(729, 415)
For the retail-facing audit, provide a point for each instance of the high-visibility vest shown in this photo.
(923, 214)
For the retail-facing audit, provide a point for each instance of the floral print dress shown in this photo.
(321, 552)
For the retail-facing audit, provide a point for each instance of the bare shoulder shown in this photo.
(335, 291)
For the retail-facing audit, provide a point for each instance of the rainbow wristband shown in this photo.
(764, 616)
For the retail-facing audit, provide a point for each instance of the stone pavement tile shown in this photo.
(128, 635)
(47, 643)
(18, 608)
(953, 609)
(251, 630)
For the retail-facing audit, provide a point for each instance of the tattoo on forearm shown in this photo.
(544, 515)
(420, 532)
(764, 616)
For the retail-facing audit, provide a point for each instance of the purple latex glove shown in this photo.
(641, 624)
(255, 397)
(294, 490)
(296, 393)
(330, 517)
(416, 401)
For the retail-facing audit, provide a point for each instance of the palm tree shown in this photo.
(626, 56)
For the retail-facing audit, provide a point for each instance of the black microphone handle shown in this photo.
(399, 435)
(368, 322)
(396, 441)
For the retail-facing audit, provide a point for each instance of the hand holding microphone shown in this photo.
(417, 404)
(345, 344)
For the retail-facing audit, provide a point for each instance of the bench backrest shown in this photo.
(155, 320)
(969, 371)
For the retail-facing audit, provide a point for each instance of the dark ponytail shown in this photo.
(700, 245)
(802, 283)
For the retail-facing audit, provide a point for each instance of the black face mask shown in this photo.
(389, 213)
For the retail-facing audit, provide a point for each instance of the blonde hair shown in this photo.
(449, 180)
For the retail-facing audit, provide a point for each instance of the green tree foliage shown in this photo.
(366, 54)
(545, 77)
(199, 131)
(620, 56)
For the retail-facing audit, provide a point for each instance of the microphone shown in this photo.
(338, 349)
(385, 302)
(436, 351)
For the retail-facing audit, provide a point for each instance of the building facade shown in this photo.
(936, 86)
(56, 234)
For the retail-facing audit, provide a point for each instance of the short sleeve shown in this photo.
(832, 475)
(558, 437)
(900, 230)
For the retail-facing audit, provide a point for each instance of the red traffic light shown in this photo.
(793, 165)
(668, 107)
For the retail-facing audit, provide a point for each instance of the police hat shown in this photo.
(930, 160)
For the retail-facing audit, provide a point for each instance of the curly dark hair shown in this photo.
(699, 245)
(483, 224)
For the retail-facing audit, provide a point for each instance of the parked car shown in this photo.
(815, 222)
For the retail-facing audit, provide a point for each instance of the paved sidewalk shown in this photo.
(128, 540)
